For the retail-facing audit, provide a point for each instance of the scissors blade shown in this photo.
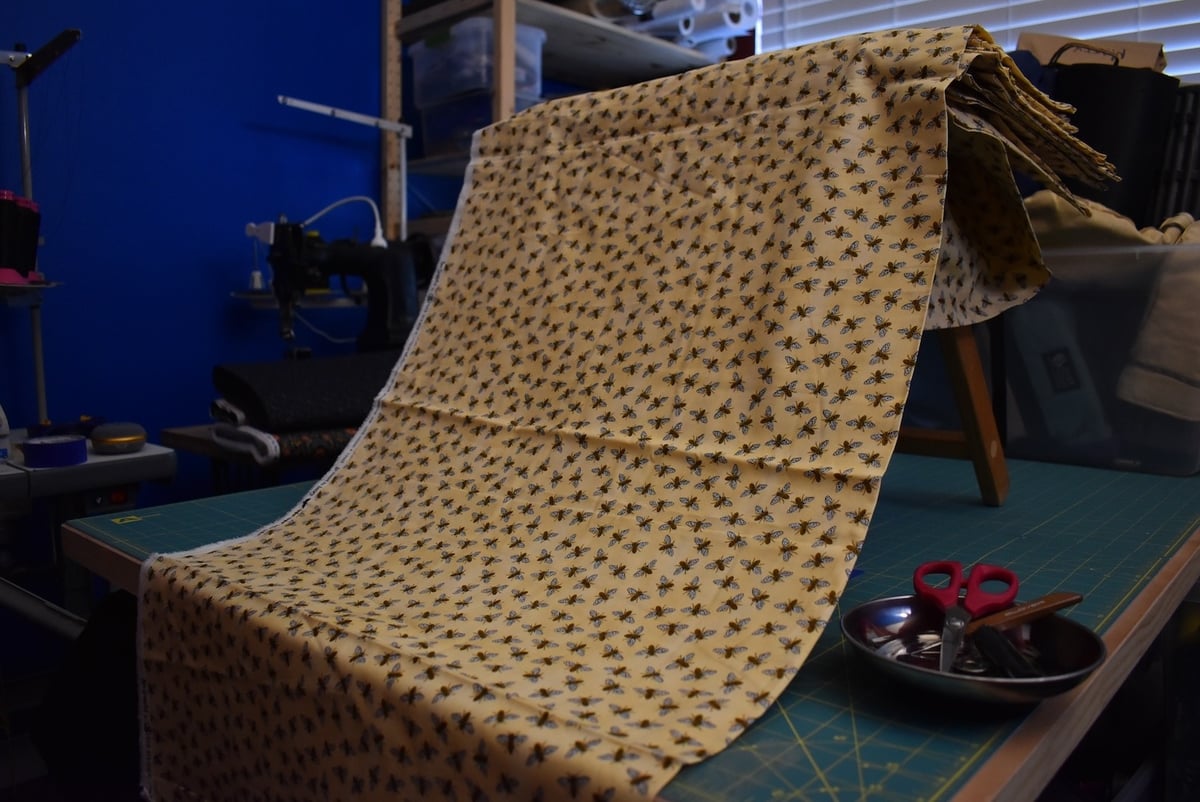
(952, 637)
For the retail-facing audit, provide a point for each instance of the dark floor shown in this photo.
(25, 776)
(45, 789)
(68, 725)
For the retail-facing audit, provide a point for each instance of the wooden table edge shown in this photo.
(122, 570)
(1029, 758)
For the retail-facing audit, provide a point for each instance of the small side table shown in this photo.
(105, 483)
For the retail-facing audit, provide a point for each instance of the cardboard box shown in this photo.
(1130, 54)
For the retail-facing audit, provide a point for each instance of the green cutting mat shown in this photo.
(840, 732)
(191, 524)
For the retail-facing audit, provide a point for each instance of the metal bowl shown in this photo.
(899, 636)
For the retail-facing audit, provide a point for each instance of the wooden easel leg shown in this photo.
(979, 439)
(984, 447)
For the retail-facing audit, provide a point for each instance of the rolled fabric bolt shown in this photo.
(675, 29)
(719, 22)
(717, 48)
(669, 11)
(611, 10)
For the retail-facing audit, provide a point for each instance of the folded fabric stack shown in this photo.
(266, 448)
(609, 499)
(296, 409)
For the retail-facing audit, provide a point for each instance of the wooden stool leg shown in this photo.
(979, 439)
(984, 446)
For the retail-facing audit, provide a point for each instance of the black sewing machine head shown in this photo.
(301, 261)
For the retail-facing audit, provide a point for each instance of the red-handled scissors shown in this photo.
(961, 609)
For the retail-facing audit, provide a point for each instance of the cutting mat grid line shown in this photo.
(840, 731)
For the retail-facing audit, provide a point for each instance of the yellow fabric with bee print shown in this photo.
(612, 492)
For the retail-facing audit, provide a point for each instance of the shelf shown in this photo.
(580, 49)
(24, 294)
(597, 54)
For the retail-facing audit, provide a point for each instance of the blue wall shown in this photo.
(154, 141)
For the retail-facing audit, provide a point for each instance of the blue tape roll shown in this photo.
(55, 452)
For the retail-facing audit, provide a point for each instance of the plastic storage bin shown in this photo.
(447, 127)
(1103, 366)
(461, 62)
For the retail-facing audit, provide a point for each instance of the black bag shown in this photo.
(1126, 114)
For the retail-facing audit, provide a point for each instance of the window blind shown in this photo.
(1174, 23)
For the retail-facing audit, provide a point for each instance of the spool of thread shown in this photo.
(55, 451)
(666, 11)
(717, 49)
(20, 225)
(611, 10)
(680, 28)
(30, 216)
(9, 234)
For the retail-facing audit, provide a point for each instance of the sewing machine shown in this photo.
(302, 261)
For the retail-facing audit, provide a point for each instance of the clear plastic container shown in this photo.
(446, 66)
(447, 127)
(1100, 365)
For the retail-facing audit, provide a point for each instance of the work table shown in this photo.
(1130, 543)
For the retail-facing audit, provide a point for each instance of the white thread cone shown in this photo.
(717, 49)
(669, 11)
(729, 19)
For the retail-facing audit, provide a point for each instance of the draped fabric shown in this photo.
(611, 494)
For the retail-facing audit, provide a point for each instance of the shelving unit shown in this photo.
(26, 68)
(580, 50)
